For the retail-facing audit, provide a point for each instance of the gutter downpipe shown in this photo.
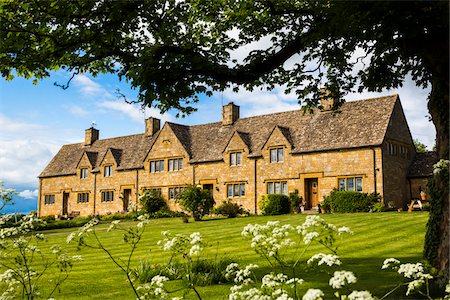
(374, 171)
(256, 185)
(137, 188)
(40, 197)
(95, 190)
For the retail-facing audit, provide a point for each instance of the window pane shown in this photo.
(175, 164)
(170, 193)
(170, 164)
(239, 158)
(273, 155)
(232, 159)
(341, 184)
(277, 188)
(270, 188)
(359, 184)
(236, 190)
(152, 166)
(156, 166)
(284, 188)
(229, 190)
(242, 189)
(180, 163)
(280, 154)
(351, 184)
(161, 165)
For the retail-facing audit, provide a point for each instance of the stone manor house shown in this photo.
(366, 147)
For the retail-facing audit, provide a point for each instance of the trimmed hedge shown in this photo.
(350, 202)
(275, 204)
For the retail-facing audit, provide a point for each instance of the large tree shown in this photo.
(172, 51)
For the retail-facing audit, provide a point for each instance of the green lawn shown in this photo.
(376, 237)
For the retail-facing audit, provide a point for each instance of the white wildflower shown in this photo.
(360, 295)
(313, 294)
(411, 270)
(310, 236)
(342, 278)
(390, 262)
(195, 250)
(440, 165)
(327, 259)
(113, 225)
(344, 229)
(414, 285)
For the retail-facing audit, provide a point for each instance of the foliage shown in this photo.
(51, 223)
(230, 209)
(420, 147)
(296, 201)
(197, 201)
(274, 204)
(6, 196)
(350, 201)
(25, 265)
(441, 172)
(152, 202)
(378, 207)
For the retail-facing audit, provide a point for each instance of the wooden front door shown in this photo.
(65, 204)
(126, 199)
(312, 192)
(210, 188)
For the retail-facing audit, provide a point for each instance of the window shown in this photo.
(155, 191)
(350, 184)
(83, 173)
(236, 159)
(174, 192)
(156, 166)
(394, 149)
(108, 196)
(108, 171)
(276, 155)
(277, 187)
(49, 199)
(175, 164)
(83, 197)
(235, 190)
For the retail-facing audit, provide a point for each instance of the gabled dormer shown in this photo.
(278, 144)
(237, 148)
(86, 164)
(110, 161)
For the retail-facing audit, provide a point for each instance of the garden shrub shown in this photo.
(152, 202)
(196, 200)
(230, 209)
(295, 201)
(350, 201)
(275, 204)
(379, 207)
(58, 224)
(119, 216)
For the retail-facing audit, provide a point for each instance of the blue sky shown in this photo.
(36, 120)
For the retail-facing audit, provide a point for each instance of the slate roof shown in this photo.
(422, 165)
(360, 123)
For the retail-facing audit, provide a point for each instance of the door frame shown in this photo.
(65, 203)
(309, 182)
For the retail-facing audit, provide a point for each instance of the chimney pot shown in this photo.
(91, 135)
(152, 125)
(230, 114)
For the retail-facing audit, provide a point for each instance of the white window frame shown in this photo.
(276, 154)
(156, 166)
(175, 164)
(175, 191)
(277, 187)
(107, 196)
(84, 173)
(236, 158)
(49, 199)
(83, 197)
(350, 183)
(236, 190)
(107, 171)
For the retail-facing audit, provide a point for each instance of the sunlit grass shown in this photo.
(376, 237)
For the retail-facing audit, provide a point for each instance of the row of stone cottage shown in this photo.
(366, 147)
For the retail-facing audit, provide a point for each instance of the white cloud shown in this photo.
(12, 126)
(29, 194)
(90, 88)
(134, 112)
(78, 111)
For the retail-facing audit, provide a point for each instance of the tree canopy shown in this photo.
(172, 51)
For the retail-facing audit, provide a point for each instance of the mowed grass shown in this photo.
(377, 236)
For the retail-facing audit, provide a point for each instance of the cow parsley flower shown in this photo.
(414, 285)
(327, 259)
(360, 295)
(313, 294)
(390, 262)
(342, 278)
(411, 270)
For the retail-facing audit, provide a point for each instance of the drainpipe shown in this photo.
(256, 185)
(137, 188)
(374, 171)
(95, 190)
(193, 174)
(40, 197)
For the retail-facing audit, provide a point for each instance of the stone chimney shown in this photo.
(91, 135)
(152, 125)
(326, 101)
(230, 114)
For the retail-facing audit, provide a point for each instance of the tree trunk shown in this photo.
(437, 236)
